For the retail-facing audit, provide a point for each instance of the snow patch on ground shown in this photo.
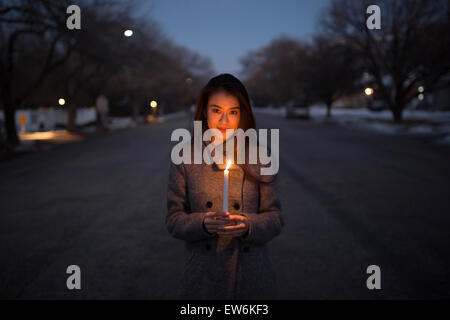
(175, 115)
(416, 122)
(270, 111)
(444, 140)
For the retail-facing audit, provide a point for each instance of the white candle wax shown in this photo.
(225, 191)
(225, 188)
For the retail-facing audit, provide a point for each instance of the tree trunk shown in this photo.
(328, 110)
(10, 122)
(397, 111)
(135, 111)
(71, 118)
(398, 115)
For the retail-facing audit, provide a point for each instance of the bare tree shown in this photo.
(403, 53)
(333, 70)
(42, 60)
(158, 69)
(101, 52)
(274, 73)
(21, 22)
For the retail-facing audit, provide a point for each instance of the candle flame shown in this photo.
(228, 165)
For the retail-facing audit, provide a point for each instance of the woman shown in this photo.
(227, 256)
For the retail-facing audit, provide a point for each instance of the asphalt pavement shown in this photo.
(350, 199)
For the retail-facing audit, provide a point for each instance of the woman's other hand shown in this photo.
(214, 220)
(238, 227)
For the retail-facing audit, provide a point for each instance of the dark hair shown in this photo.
(231, 85)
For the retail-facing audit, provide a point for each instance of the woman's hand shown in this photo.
(214, 220)
(238, 227)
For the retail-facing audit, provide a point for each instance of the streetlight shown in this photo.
(61, 101)
(128, 33)
(152, 117)
(368, 91)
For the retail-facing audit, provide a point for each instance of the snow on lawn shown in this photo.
(270, 111)
(121, 123)
(444, 140)
(416, 122)
(363, 113)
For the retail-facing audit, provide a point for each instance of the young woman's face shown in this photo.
(223, 112)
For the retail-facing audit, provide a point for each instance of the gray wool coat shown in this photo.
(218, 268)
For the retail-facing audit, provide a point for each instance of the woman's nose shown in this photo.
(224, 118)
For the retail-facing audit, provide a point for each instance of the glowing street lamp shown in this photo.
(420, 89)
(128, 33)
(368, 91)
(61, 101)
(153, 105)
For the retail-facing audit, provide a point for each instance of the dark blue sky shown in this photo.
(226, 30)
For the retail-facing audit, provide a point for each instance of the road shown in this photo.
(349, 198)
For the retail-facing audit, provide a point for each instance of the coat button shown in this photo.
(246, 249)
(209, 204)
(236, 206)
(207, 246)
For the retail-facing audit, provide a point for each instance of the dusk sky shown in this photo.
(226, 30)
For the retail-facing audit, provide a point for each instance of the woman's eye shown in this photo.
(234, 112)
(216, 110)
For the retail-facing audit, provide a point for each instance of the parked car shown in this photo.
(297, 111)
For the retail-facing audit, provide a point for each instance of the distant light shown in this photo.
(365, 74)
(188, 80)
(57, 135)
(421, 96)
(128, 33)
(421, 89)
(368, 91)
(153, 104)
(61, 101)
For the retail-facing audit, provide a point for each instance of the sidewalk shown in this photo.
(44, 140)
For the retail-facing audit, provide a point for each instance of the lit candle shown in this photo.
(223, 241)
(225, 188)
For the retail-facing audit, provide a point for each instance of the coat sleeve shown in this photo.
(268, 222)
(181, 223)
